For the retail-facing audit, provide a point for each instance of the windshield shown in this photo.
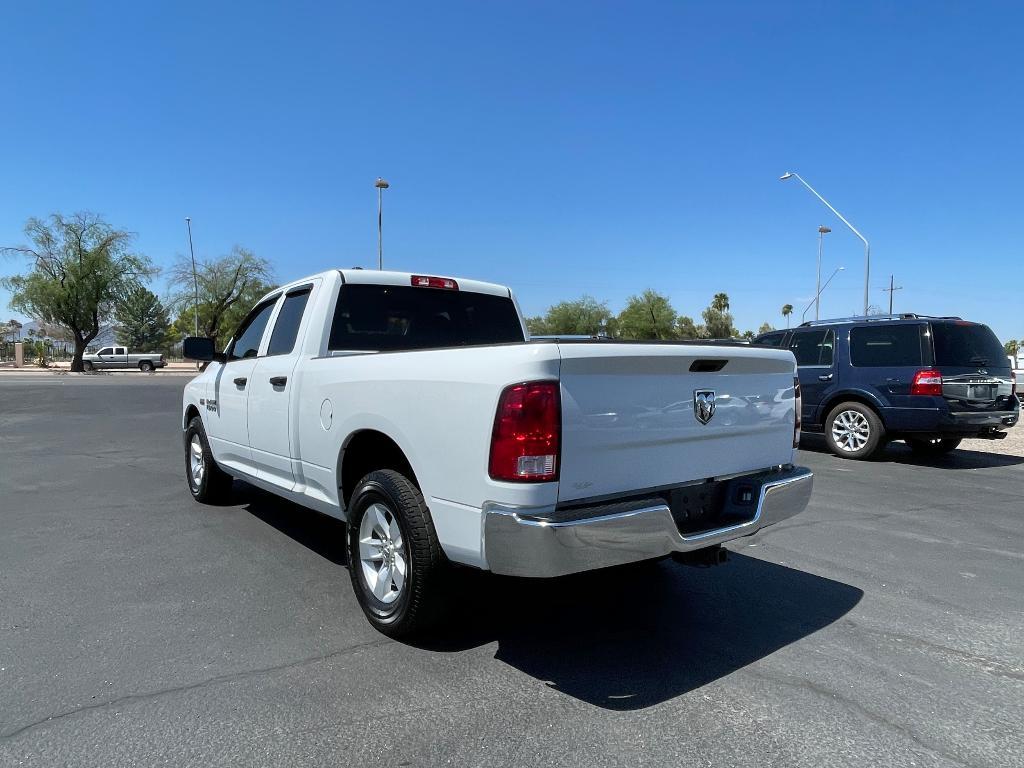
(389, 317)
(967, 345)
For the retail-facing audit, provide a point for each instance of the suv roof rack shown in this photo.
(877, 318)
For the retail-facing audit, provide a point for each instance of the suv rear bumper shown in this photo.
(518, 543)
(937, 421)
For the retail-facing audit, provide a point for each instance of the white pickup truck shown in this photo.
(120, 357)
(416, 409)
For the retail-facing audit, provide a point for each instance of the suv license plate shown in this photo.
(982, 392)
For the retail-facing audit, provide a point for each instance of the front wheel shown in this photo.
(208, 483)
(936, 446)
(854, 431)
(394, 558)
(86, 366)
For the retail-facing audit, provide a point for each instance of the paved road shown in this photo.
(885, 626)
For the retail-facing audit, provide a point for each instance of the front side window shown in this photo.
(394, 317)
(770, 339)
(247, 338)
(886, 346)
(106, 351)
(813, 347)
(286, 327)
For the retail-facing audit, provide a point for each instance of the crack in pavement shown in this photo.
(210, 682)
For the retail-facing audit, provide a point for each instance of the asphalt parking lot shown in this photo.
(884, 626)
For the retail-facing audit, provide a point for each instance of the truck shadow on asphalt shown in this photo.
(623, 638)
(900, 453)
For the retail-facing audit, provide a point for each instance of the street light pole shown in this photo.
(822, 231)
(195, 277)
(815, 299)
(867, 245)
(381, 185)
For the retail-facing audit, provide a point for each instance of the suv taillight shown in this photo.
(927, 382)
(798, 405)
(527, 432)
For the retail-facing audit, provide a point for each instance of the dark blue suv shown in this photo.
(931, 381)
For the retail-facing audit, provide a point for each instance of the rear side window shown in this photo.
(813, 347)
(886, 346)
(286, 328)
(394, 317)
(967, 345)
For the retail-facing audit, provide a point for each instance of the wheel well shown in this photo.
(849, 397)
(190, 413)
(365, 452)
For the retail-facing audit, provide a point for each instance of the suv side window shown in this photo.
(286, 327)
(886, 346)
(247, 338)
(813, 347)
(770, 339)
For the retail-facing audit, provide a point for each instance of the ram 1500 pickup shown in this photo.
(416, 409)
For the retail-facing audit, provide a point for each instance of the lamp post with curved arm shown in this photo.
(815, 299)
(867, 245)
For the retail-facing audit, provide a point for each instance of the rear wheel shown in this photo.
(145, 366)
(935, 446)
(395, 560)
(854, 431)
(208, 483)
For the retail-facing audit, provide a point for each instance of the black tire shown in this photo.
(420, 601)
(859, 433)
(86, 366)
(214, 485)
(145, 366)
(934, 446)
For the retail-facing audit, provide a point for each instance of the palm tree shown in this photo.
(787, 310)
(720, 302)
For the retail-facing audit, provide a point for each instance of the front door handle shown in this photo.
(825, 377)
(278, 381)
(240, 381)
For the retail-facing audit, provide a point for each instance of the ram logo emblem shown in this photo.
(704, 404)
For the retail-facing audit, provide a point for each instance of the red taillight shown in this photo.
(927, 382)
(798, 405)
(527, 429)
(425, 281)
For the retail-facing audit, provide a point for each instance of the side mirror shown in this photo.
(201, 348)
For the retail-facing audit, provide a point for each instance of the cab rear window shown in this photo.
(390, 318)
(966, 345)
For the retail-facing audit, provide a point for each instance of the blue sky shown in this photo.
(561, 148)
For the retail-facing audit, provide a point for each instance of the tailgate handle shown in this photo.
(707, 366)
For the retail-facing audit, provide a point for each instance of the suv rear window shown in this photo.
(967, 345)
(886, 346)
(390, 317)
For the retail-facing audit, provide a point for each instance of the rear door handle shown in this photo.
(278, 381)
(240, 381)
(825, 377)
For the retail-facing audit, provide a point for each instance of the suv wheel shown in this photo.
(854, 431)
(935, 446)
(395, 560)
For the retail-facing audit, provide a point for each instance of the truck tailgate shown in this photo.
(629, 420)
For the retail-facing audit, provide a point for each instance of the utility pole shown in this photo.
(381, 185)
(195, 276)
(891, 290)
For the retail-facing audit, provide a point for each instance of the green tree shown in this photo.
(787, 310)
(765, 328)
(685, 328)
(1012, 347)
(536, 326)
(717, 319)
(586, 316)
(142, 322)
(748, 335)
(720, 302)
(647, 316)
(80, 268)
(229, 286)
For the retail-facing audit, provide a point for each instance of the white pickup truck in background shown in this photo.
(113, 358)
(416, 409)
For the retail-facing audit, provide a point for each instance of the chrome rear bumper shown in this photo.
(518, 542)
